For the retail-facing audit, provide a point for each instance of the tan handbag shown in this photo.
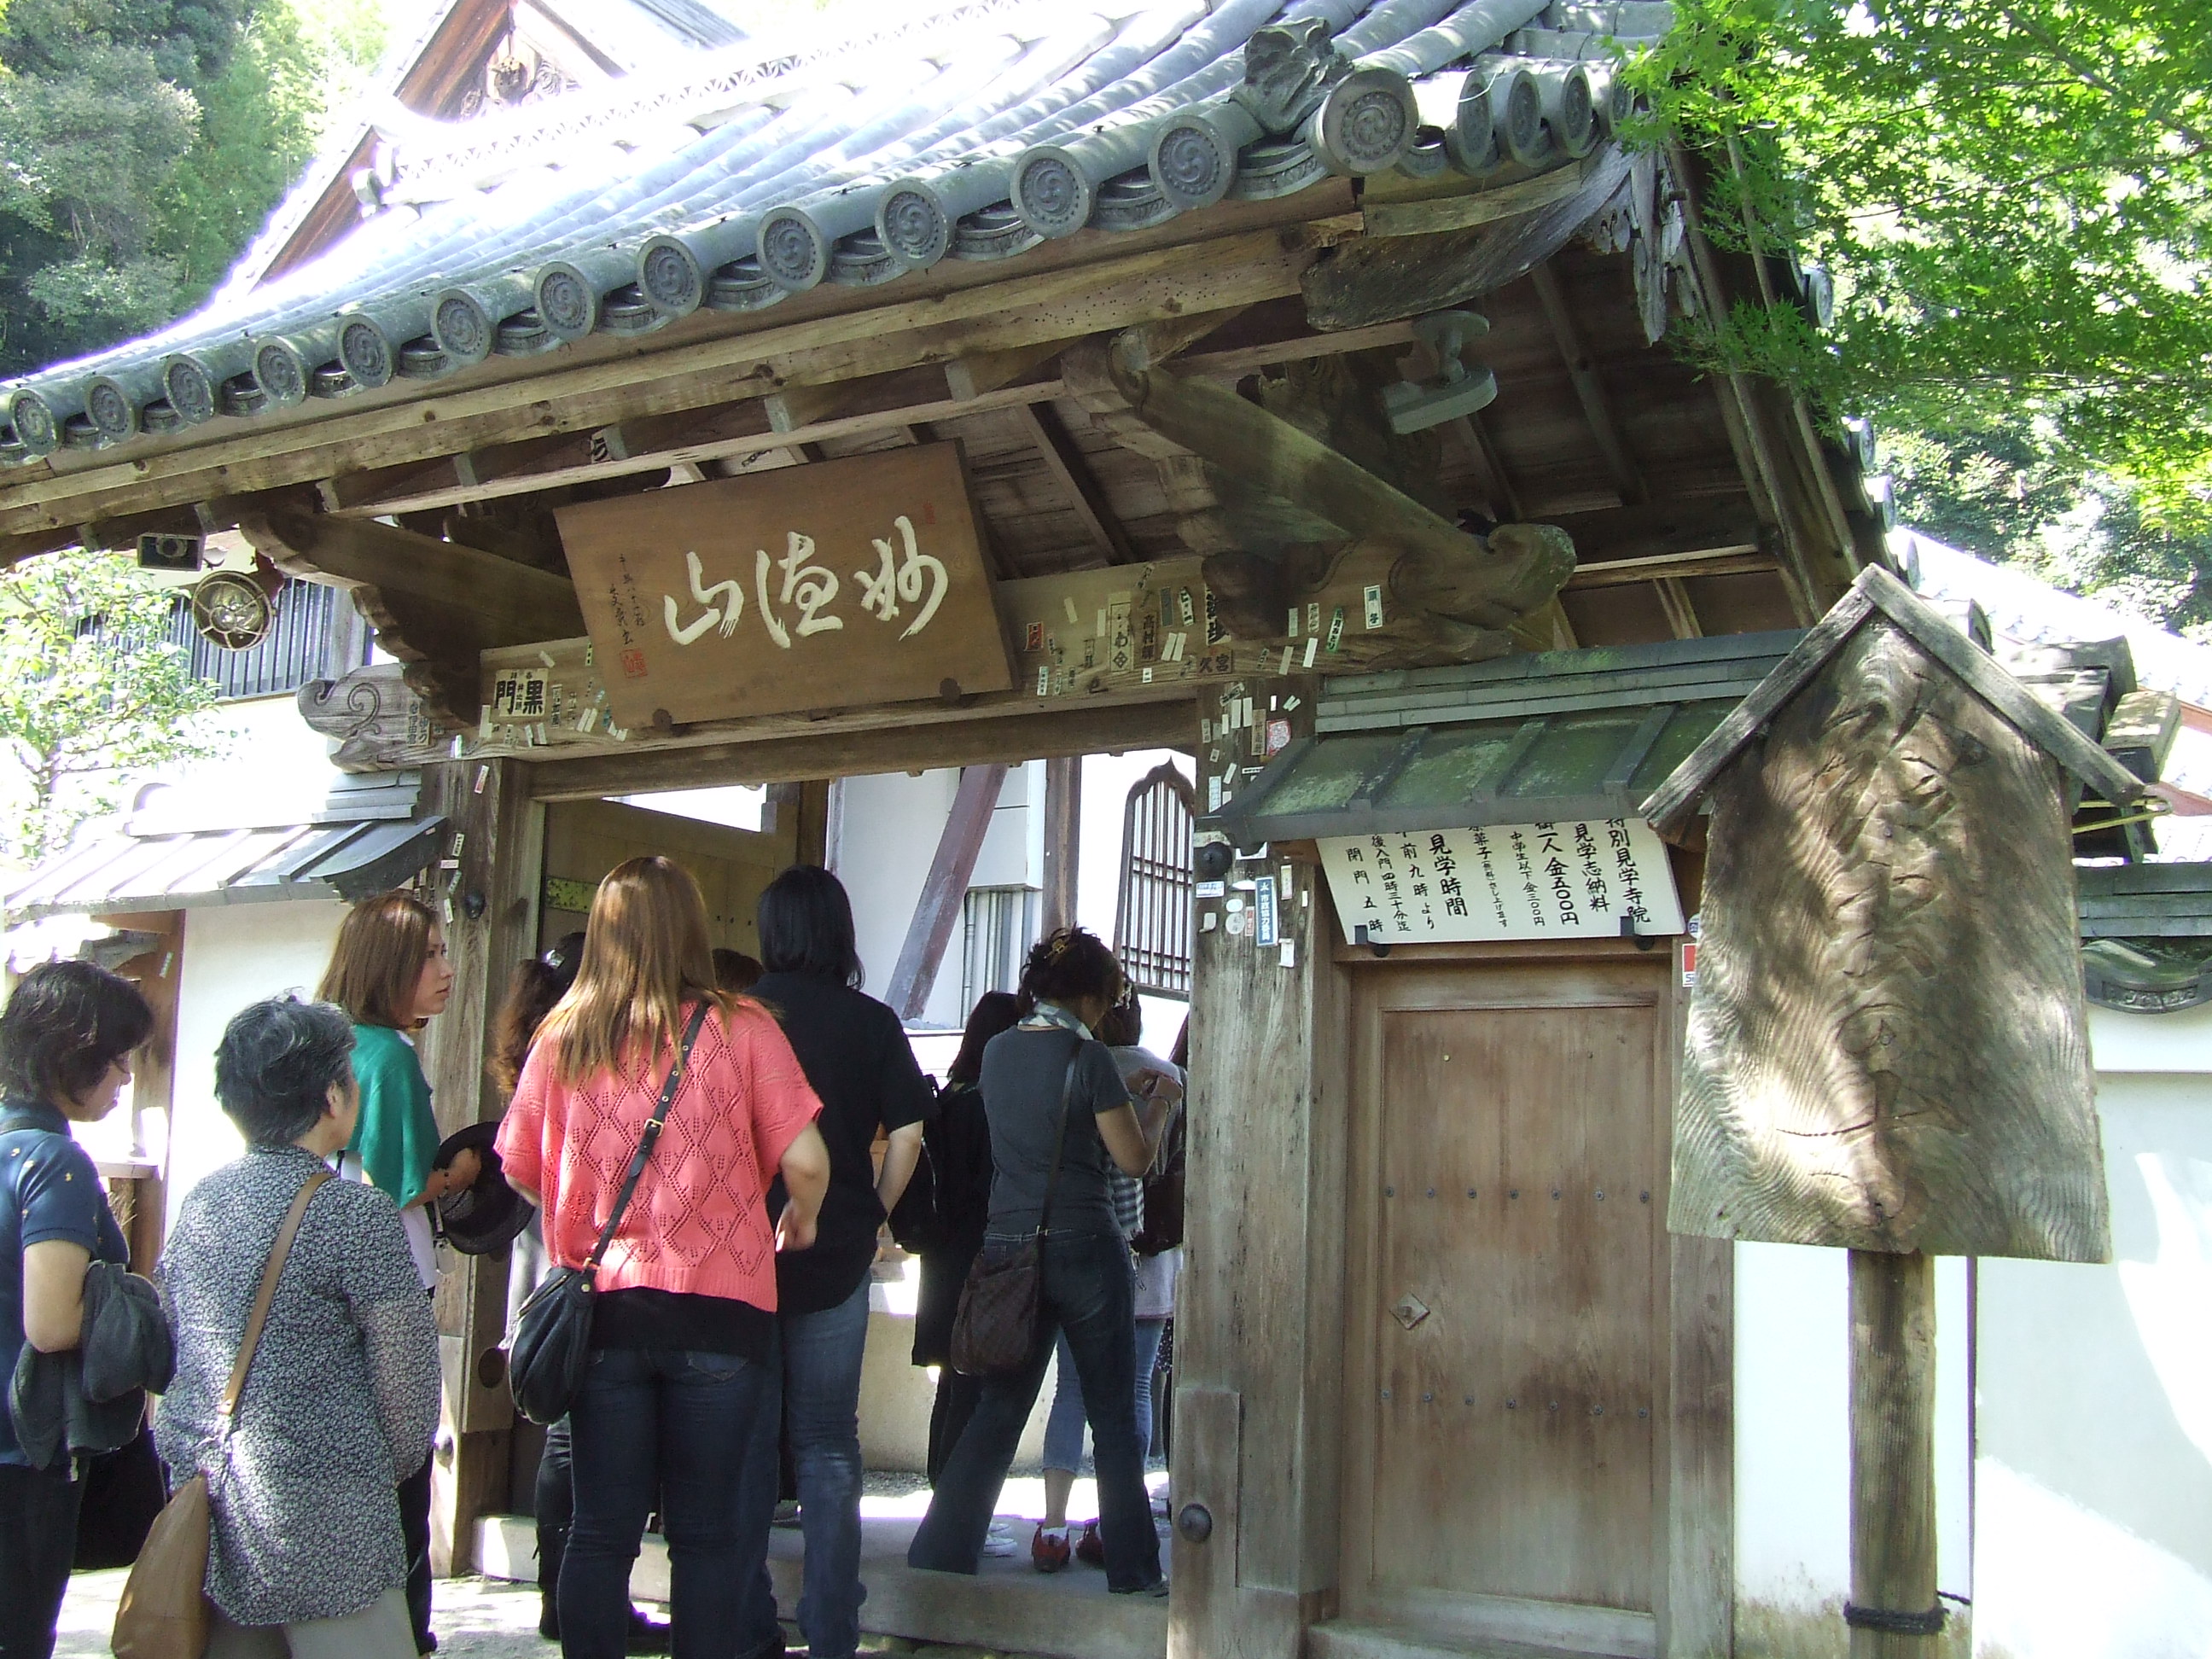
(164, 1611)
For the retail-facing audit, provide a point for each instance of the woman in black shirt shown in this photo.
(856, 1056)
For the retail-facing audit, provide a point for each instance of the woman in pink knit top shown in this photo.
(682, 1385)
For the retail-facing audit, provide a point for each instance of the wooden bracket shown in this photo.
(435, 605)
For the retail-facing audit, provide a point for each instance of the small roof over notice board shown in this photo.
(1555, 736)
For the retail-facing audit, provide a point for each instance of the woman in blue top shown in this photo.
(389, 973)
(65, 1041)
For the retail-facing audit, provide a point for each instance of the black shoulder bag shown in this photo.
(995, 1330)
(552, 1339)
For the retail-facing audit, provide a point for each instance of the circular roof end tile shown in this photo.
(1051, 192)
(1365, 123)
(367, 352)
(191, 389)
(670, 277)
(38, 424)
(793, 252)
(281, 372)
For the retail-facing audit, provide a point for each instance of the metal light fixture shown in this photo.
(232, 610)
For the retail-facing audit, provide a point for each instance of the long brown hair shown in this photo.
(646, 954)
(537, 984)
(377, 964)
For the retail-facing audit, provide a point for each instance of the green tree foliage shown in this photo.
(2007, 491)
(2014, 197)
(143, 143)
(91, 695)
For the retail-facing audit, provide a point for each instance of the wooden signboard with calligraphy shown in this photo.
(839, 583)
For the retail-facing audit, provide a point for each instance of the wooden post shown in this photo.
(1893, 1611)
(493, 924)
(1259, 1309)
(1063, 819)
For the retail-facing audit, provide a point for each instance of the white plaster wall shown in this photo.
(234, 955)
(886, 837)
(2095, 1424)
(1793, 1435)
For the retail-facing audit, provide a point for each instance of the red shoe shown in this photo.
(1049, 1551)
(1090, 1549)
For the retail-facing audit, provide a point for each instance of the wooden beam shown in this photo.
(1663, 529)
(1589, 388)
(745, 430)
(1743, 560)
(1271, 454)
(1072, 472)
(1817, 569)
(1470, 206)
(1063, 826)
(747, 439)
(514, 599)
(1491, 475)
(895, 743)
(944, 889)
(1237, 361)
(1675, 602)
(1388, 277)
(928, 323)
(969, 378)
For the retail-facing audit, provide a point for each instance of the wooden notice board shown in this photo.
(827, 585)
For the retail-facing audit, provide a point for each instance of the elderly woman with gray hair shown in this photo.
(342, 1397)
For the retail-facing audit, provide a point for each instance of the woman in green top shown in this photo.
(389, 972)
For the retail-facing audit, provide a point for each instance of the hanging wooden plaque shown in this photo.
(828, 585)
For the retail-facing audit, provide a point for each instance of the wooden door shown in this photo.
(1505, 1339)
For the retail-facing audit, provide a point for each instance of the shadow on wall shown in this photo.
(1768, 1630)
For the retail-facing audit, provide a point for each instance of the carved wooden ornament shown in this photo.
(1887, 1039)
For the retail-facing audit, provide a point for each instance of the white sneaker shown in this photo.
(1000, 1540)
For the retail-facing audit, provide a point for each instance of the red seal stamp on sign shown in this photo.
(633, 665)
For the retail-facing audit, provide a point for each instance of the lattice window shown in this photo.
(998, 927)
(307, 640)
(1152, 922)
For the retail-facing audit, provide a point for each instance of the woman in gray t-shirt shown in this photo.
(1047, 1068)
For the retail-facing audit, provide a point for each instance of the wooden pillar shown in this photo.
(491, 924)
(1063, 820)
(1893, 1611)
(1259, 1337)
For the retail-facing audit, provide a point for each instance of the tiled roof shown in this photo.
(972, 130)
(365, 842)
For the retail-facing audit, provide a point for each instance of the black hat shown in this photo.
(486, 1215)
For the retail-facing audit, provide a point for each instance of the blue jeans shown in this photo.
(822, 1355)
(1063, 1425)
(1090, 1293)
(676, 1425)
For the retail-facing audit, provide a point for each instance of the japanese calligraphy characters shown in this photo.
(1504, 881)
(844, 582)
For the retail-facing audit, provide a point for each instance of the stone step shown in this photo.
(1007, 1607)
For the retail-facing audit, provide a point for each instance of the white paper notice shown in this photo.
(1507, 881)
